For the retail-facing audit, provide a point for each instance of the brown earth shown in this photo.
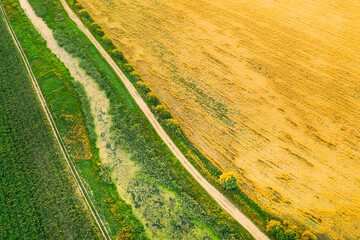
(270, 88)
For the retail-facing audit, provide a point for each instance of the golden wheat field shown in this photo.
(269, 88)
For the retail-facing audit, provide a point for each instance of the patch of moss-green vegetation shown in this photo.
(38, 198)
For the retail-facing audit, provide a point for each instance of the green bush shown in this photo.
(173, 125)
(143, 86)
(85, 14)
(107, 41)
(228, 180)
(152, 98)
(94, 26)
(290, 234)
(99, 32)
(135, 76)
(128, 67)
(78, 6)
(307, 235)
(116, 53)
(163, 112)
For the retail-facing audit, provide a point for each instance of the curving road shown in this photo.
(57, 135)
(222, 200)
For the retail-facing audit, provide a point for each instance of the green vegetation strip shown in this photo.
(134, 132)
(210, 170)
(38, 199)
(70, 110)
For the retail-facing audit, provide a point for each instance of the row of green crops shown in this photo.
(38, 198)
(132, 130)
(69, 106)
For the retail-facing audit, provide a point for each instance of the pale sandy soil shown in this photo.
(270, 88)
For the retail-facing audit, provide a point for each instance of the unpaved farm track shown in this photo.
(57, 135)
(267, 88)
(223, 201)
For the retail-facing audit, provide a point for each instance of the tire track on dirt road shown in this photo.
(57, 135)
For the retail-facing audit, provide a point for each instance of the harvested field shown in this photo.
(270, 88)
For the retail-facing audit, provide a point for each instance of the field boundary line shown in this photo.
(56, 132)
(213, 192)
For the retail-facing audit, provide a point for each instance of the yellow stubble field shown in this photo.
(268, 88)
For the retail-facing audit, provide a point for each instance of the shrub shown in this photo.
(78, 6)
(107, 41)
(128, 67)
(307, 235)
(94, 26)
(135, 76)
(85, 14)
(99, 32)
(290, 235)
(173, 125)
(228, 180)
(163, 112)
(152, 98)
(116, 53)
(143, 86)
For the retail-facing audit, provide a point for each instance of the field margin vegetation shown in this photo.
(208, 168)
(71, 110)
(38, 196)
(133, 131)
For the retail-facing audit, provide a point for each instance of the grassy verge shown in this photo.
(133, 131)
(70, 108)
(210, 170)
(38, 198)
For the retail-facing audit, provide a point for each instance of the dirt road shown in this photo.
(223, 201)
(267, 88)
(57, 135)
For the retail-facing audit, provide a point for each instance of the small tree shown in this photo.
(128, 67)
(78, 6)
(99, 32)
(228, 180)
(84, 13)
(117, 54)
(163, 112)
(275, 229)
(94, 26)
(173, 125)
(307, 235)
(290, 234)
(107, 41)
(152, 98)
(135, 76)
(143, 86)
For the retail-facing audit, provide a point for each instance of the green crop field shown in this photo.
(38, 198)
